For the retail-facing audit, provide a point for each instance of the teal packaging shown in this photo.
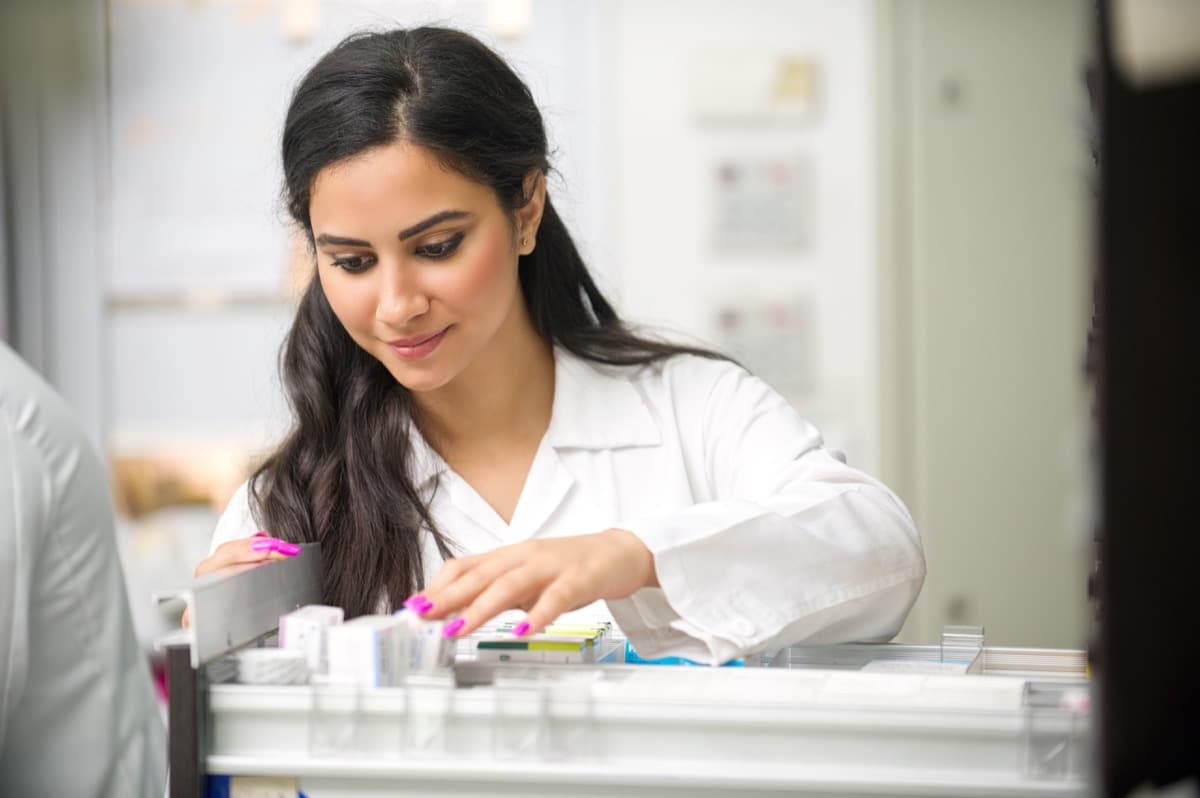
(632, 658)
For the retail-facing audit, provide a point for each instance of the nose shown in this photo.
(401, 297)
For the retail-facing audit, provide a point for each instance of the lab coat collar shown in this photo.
(595, 407)
(425, 463)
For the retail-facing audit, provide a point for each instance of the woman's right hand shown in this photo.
(245, 551)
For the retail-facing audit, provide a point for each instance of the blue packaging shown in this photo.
(632, 658)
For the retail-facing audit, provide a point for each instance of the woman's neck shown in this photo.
(505, 394)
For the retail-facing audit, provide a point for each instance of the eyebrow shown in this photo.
(437, 218)
(327, 239)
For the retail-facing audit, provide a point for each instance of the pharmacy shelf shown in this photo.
(339, 778)
(954, 719)
(658, 731)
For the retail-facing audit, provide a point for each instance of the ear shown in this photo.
(529, 215)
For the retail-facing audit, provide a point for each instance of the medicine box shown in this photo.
(304, 630)
(558, 644)
(425, 647)
(367, 651)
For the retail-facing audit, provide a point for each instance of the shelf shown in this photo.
(748, 729)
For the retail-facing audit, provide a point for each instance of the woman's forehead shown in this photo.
(398, 178)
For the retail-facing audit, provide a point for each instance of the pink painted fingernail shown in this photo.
(274, 544)
(452, 628)
(521, 629)
(419, 604)
(262, 533)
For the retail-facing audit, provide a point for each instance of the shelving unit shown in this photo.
(955, 719)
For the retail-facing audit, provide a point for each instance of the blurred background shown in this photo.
(880, 206)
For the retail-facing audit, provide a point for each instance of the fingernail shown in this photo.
(419, 604)
(521, 629)
(452, 628)
(262, 533)
(274, 544)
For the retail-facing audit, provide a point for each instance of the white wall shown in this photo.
(671, 274)
(196, 300)
(989, 291)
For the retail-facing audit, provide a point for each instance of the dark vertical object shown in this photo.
(186, 729)
(1148, 661)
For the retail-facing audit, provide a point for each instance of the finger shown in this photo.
(460, 593)
(231, 553)
(246, 550)
(451, 570)
(185, 620)
(457, 594)
(561, 595)
(510, 590)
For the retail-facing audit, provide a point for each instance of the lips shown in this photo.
(417, 347)
(410, 343)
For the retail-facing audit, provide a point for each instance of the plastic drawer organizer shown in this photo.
(954, 719)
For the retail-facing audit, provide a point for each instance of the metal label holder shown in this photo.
(235, 606)
(230, 608)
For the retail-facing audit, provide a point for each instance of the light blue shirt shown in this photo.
(77, 710)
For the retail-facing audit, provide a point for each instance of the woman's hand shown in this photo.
(547, 577)
(259, 548)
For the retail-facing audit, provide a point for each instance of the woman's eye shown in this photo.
(436, 250)
(354, 264)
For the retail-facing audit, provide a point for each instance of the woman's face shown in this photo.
(418, 262)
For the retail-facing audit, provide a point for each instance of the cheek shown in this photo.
(490, 275)
(352, 301)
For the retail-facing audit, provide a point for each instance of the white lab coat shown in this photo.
(760, 537)
(77, 710)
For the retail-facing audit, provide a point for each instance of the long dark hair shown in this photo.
(335, 479)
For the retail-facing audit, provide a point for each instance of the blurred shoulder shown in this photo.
(689, 380)
(236, 521)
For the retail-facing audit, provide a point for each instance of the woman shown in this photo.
(464, 393)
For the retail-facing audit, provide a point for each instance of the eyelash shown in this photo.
(440, 250)
(353, 265)
(435, 250)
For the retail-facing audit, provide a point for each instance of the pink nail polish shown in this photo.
(263, 544)
(419, 604)
(288, 549)
(521, 629)
(451, 629)
(262, 533)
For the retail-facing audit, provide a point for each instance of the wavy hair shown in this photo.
(335, 479)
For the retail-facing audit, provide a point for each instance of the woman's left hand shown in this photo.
(547, 577)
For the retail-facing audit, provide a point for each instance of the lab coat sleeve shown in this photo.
(237, 521)
(794, 545)
(23, 506)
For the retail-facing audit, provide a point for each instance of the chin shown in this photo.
(420, 381)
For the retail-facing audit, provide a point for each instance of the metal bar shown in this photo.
(187, 713)
(236, 606)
